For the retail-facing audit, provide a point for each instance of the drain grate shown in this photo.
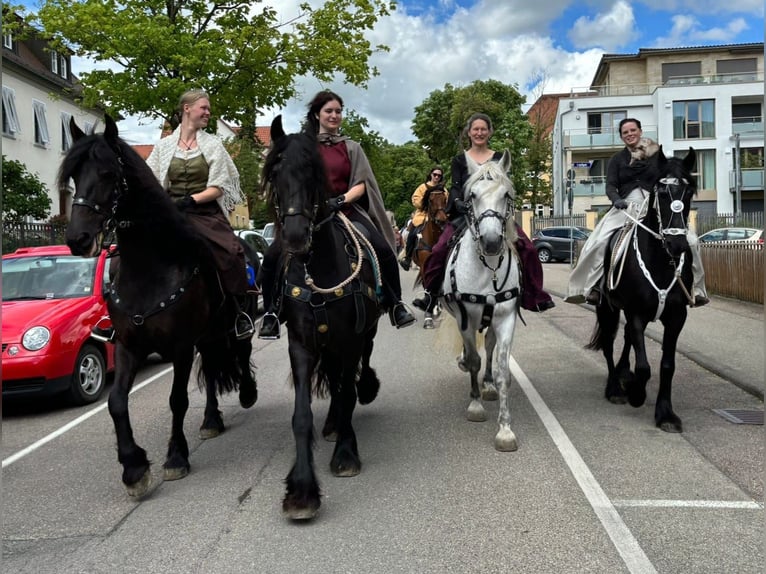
(741, 416)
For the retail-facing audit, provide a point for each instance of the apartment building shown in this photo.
(39, 98)
(709, 98)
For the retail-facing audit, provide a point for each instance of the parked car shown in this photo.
(556, 243)
(51, 302)
(255, 240)
(733, 234)
(268, 232)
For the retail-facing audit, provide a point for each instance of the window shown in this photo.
(745, 113)
(87, 128)
(10, 117)
(704, 168)
(682, 73)
(694, 119)
(63, 70)
(751, 157)
(739, 70)
(8, 40)
(54, 62)
(605, 122)
(66, 135)
(41, 124)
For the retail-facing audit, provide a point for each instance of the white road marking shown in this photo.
(735, 504)
(72, 424)
(626, 544)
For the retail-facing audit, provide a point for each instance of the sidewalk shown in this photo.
(726, 336)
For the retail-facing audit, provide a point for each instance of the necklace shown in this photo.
(188, 145)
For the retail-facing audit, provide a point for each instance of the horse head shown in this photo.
(674, 188)
(94, 166)
(437, 207)
(490, 194)
(294, 178)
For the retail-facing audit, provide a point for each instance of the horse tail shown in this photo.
(595, 343)
(605, 329)
(222, 364)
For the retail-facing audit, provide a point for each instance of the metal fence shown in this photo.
(17, 235)
(706, 222)
(734, 270)
(541, 222)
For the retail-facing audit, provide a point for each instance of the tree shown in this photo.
(439, 122)
(24, 195)
(239, 52)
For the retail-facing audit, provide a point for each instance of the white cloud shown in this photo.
(687, 31)
(608, 30)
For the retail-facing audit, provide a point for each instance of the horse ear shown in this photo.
(661, 155)
(690, 160)
(110, 128)
(277, 131)
(75, 130)
(505, 161)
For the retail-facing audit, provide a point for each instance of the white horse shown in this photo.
(482, 289)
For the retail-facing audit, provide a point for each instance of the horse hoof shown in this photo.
(331, 436)
(306, 510)
(247, 398)
(206, 433)
(175, 473)
(346, 472)
(141, 487)
(505, 441)
(671, 426)
(489, 393)
(617, 400)
(476, 412)
(428, 323)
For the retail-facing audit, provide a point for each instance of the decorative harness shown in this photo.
(501, 294)
(109, 227)
(665, 229)
(318, 297)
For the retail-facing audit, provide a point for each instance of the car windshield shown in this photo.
(47, 277)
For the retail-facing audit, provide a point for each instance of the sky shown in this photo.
(517, 42)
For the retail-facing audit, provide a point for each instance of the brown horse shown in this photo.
(436, 204)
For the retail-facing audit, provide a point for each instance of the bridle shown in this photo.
(432, 210)
(676, 223)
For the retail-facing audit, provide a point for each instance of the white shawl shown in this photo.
(223, 173)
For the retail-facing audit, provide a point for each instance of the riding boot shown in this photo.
(533, 297)
(269, 328)
(392, 290)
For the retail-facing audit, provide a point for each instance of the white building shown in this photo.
(709, 98)
(39, 98)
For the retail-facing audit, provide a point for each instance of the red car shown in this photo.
(51, 301)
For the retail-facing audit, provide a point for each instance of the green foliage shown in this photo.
(240, 53)
(246, 153)
(440, 120)
(24, 195)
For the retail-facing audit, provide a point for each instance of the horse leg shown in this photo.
(488, 387)
(135, 466)
(248, 388)
(345, 458)
(505, 439)
(212, 421)
(608, 320)
(636, 388)
(302, 496)
(177, 459)
(368, 385)
(664, 417)
(624, 376)
(472, 361)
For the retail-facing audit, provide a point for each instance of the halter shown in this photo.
(676, 189)
(473, 225)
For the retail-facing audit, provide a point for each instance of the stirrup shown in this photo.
(269, 328)
(243, 331)
(104, 334)
(404, 317)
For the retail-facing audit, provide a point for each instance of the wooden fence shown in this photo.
(734, 270)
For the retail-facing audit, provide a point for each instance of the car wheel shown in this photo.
(544, 255)
(89, 376)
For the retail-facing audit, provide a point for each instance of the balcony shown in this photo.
(589, 187)
(748, 128)
(752, 180)
(583, 138)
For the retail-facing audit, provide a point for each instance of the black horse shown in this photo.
(165, 296)
(329, 301)
(653, 280)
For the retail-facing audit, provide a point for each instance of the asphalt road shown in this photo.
(594, 487)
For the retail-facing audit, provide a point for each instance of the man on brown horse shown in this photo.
(434, 182)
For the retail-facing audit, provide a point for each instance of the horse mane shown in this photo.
(303, 152)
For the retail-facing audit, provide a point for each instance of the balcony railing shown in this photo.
(581, 138)
(750, 127)
(643, 89)
(752, 180)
